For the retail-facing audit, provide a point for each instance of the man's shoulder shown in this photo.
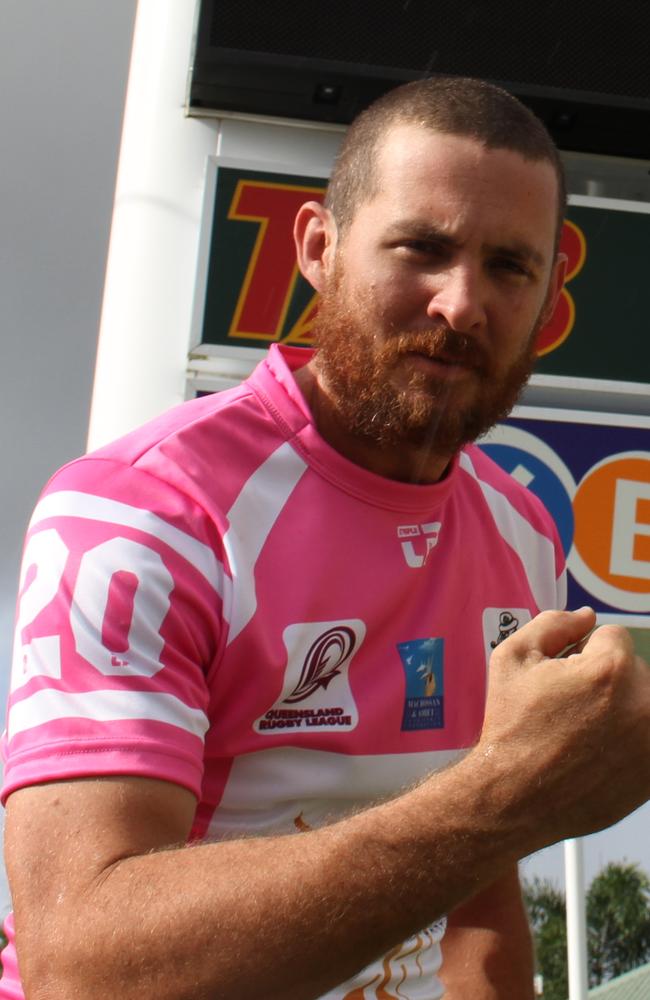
(197, 453)
(189, 424)
(479, 463)
(503, 486)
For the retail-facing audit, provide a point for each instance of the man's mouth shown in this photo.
(440, 354)
(445, 365)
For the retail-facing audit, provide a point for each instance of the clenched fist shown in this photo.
(567, 726)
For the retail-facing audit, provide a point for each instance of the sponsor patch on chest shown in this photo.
(316, 694)
(500, 623)
(424, 703)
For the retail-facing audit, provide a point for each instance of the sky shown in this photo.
(63, 73)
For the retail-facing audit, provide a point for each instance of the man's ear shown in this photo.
(555, 286)
(314, 233)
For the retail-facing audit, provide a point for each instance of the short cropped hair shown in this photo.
(452, 105)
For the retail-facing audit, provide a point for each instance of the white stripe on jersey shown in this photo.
(284, 781)
(105, 706)
(561, 591)
(524, 539)
(251, 519)
(71, 503)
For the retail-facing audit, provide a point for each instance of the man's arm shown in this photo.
(105, 907)
(487, 951)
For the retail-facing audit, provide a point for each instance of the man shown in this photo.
(261, 624)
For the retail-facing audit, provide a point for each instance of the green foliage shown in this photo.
(618, 926)
(546, 909)
(618, 921)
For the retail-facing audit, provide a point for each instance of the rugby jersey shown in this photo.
(221, 600)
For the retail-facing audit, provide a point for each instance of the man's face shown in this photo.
(436, 290)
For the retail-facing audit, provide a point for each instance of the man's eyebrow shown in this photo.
(416, 229)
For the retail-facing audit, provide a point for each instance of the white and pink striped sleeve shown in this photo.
(118, 621)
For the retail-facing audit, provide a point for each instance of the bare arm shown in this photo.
(103, 906)
(487, 950)
(278, 917)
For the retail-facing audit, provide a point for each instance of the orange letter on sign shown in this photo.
(272, 270)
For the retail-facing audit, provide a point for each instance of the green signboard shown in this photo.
(254, 293)
(609, 277)
(251, 293)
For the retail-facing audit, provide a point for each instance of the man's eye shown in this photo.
(424, 247)
(510, 266)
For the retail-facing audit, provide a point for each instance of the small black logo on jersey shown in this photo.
(507, 625)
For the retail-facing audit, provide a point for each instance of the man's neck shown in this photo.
(404, 462)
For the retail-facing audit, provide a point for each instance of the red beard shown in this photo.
(424, 410)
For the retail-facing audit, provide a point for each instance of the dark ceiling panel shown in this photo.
(583, 66)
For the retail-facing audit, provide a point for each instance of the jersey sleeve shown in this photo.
(119, 620)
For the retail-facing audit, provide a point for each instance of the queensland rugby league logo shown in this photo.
(316, 694)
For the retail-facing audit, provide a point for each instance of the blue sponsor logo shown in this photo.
(423, 661)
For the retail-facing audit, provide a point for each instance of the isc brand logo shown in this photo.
(418, 540)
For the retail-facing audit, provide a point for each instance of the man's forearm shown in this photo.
(286, 917)
(102, 910)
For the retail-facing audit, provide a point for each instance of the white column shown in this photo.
(576, 919)
(150, 276)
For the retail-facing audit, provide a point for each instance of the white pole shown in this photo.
(150, 275)
(576, 919)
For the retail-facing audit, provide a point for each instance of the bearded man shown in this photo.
(251, 751)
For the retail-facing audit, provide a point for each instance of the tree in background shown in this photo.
(546, 910)
(618, 926)
(618, 921)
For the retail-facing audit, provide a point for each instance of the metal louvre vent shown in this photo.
(582, 67)
(584, 45)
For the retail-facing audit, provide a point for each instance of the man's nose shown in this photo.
(457, 297)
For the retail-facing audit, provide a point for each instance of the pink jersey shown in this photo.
(222, 601)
